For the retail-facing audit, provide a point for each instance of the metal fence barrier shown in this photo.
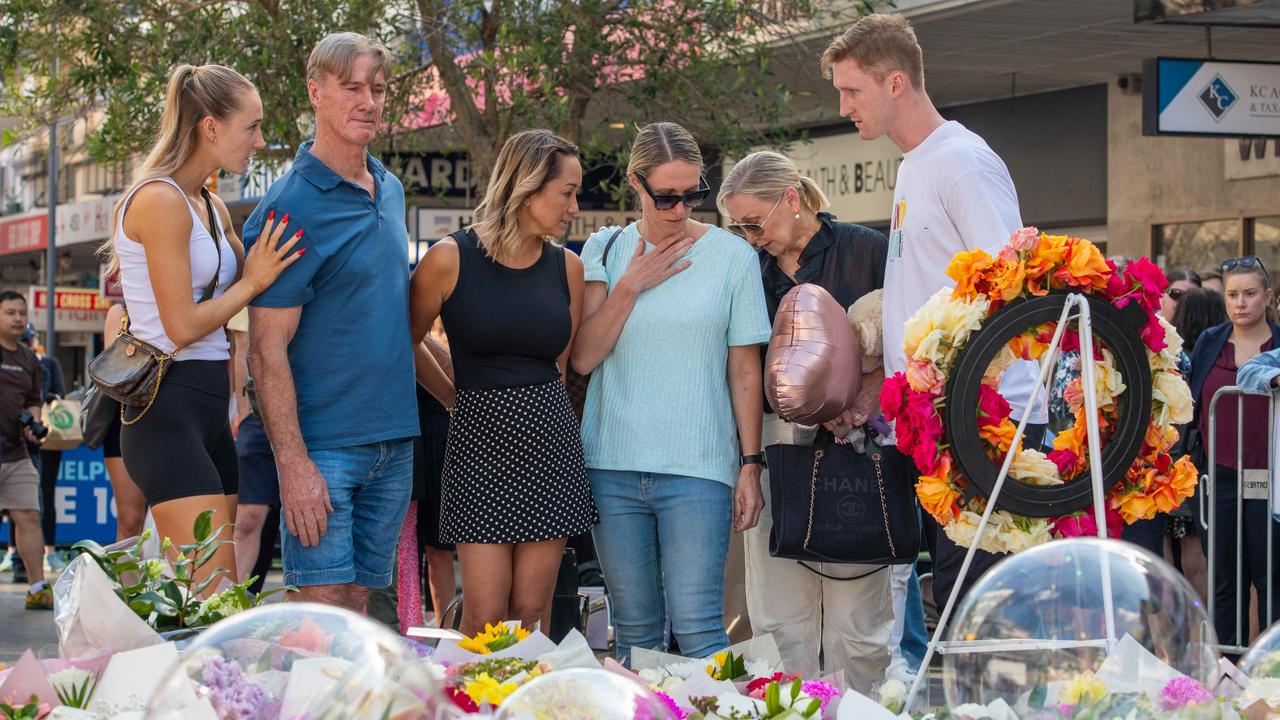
(1208, 511)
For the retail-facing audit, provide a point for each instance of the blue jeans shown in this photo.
(915, 637)
(369, 488)
(662, 541)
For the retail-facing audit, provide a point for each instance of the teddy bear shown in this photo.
(866, 320)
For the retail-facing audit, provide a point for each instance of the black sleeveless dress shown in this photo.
(513, 469)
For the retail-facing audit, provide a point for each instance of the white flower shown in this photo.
(1171, 390)
(758, 668)
(686, 669)
(1035, 468)
(942, 324)
(1166, 359)
(893, 695)
(1107, 379)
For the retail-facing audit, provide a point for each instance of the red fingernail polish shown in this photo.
(271, 216)
(285, 220)
(302, 251)
(297, 234)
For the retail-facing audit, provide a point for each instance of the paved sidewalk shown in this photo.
(21, 628)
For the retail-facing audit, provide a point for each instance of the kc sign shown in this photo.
(1207, 97)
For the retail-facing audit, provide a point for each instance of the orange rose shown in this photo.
(1159, 439)
(1085, 266)
(937, 495)
(1135, 506)
(1050, 251)
(1000, 436)
(1075, 439)
(1027, 347)
(1006, 279)
(966, 269)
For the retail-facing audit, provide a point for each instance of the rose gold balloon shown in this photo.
(813, 369)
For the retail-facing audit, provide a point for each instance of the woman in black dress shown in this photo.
(514, 486)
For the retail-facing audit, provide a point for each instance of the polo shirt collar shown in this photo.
(321, 175)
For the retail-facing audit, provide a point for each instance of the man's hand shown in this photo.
(748, 501)
(304, 499)
(31, 437)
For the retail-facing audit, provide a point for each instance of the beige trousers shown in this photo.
(846, 623)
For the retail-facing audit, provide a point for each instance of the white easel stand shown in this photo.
(936, 644)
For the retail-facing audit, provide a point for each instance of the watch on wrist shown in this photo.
(756, 459)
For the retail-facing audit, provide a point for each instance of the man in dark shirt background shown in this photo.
(21, 390)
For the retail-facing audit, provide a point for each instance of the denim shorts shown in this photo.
(369, 488)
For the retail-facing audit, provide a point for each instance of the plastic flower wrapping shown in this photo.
(297, 660)
(1033, 264)
(1035, 638)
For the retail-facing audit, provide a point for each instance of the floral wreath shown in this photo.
(1032, 265)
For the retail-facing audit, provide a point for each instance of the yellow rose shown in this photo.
(1166, 359)
(1002, 361)
(1107, 379)
(1007, 537)
(1084, 687)
(963, 528)
(1169, 388)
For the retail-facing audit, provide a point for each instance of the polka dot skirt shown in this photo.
(513, 468)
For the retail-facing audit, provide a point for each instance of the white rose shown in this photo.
(1034, 468)
(1170, 389)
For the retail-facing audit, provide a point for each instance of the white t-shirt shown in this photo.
(953, 194)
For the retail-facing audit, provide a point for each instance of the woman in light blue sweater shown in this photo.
(673, 317)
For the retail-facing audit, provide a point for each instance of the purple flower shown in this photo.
(1184, 691)
(672, 711)
(823, 691)
(232, 694)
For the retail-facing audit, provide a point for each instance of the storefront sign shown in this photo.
(1207, 97)
(77, 309)
(1252, 158)
(111, 289)
(23, 233)
(85, 221)
(426, 225)
(858, 176)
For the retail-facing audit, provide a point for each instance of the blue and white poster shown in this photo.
(1208, 97)
(85, 506)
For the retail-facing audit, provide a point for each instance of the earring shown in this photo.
(797, 216)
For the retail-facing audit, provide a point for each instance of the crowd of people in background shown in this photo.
(320, 394)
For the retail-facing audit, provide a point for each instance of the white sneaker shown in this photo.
(7, 563)
(53, 562)
(899, 670)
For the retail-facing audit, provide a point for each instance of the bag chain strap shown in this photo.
(813, 492)
(884, 504)
(155, 390)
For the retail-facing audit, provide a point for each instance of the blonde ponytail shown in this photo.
(767, 175)
(193, 94)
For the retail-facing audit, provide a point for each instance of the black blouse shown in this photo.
(844, 259)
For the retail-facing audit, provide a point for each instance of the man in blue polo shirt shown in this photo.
(329, 341)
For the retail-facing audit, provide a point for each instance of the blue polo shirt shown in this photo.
(351, 356)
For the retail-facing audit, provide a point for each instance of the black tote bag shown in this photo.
(832, 504)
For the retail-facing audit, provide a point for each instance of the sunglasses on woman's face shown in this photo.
(753, 229)
(666, 202)
(1246, 262)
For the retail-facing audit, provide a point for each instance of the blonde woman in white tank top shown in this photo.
(181, 453)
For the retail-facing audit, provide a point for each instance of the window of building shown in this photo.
(1264, 240)
(1196, 244)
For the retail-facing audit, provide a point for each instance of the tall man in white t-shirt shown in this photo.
(953, 193)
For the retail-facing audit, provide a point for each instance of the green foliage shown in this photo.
(576, 67)
(173, 603)
(29, 711)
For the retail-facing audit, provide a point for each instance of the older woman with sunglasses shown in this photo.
(673, 318)
(847, 616)
(1218, 353)
(1180, 280)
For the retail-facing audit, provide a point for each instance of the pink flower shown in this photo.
(1066, 461)
(893, 394)
(821, 690)
(1144, 274)
(1118, 287)
(1024, 239)
(992, 407)
(922, 418)
(1153, 333)
(1077, 525)
(924, 377)
(1183, 691)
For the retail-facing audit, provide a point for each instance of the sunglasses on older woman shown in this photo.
(753, 229)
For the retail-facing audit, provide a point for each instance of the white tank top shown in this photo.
(144, 317)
